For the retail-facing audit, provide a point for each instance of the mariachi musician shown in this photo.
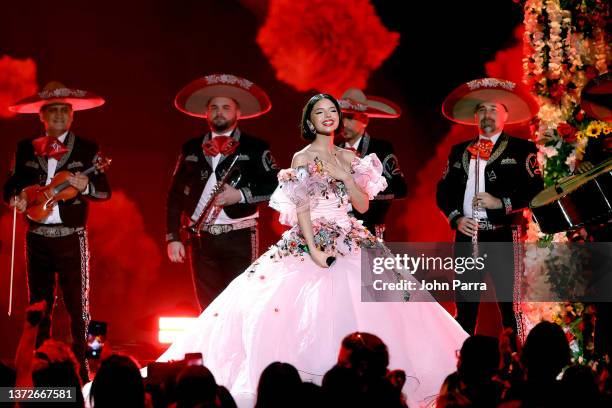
(227, 240)
(357, 110)
(56, 244)
(488, 181)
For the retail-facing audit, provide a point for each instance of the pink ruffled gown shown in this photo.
(286, 308)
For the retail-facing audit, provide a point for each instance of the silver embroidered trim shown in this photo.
(383, 197)
(507, 205)
(254, 242)
(352, 105)
(95, 194)
(62, 93)
(446, 169)
(452, 215)
(69, 145)
(491, 83)
(30, 163)
(365, 144)
(499, 150)
(227, 79)
(268, 161)
(531, 157)
(84, 247)
(74, 164)
(391, 166)
(250, 198)
(177, 165)
(518, 283)
(51, 231)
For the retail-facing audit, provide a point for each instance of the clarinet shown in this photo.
(210, 209)
(475, 206)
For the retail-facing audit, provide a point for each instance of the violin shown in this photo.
(42, 199)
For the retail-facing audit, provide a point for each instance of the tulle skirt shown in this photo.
(293, 311)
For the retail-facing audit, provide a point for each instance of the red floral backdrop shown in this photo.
(17, 80)
(323, 44)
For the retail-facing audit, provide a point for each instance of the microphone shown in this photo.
(330, 260)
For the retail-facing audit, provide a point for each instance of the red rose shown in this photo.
(580, 115)
(567, 132)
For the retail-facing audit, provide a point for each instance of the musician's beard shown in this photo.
(220, 125)
(349, 135)
(487, 125)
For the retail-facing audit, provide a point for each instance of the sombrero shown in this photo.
(193, 99)
(355, 101)
(56, 92)
(460, 105)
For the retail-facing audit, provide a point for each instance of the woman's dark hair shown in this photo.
(479, 359)
(307, 133)
(195, 385)
(278, 386)
(366, 353)
(546, 352)
(118, 382)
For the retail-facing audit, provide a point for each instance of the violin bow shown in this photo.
(10, 302)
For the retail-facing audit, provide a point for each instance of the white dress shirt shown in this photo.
(355, 145)
(54, 217)
(471, 183)
(210, 184)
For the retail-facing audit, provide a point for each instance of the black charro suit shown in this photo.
(217, 259)
(512, 175)
(396, 183)
(67, 255)
(30, 169)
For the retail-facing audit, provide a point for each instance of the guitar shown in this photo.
(42, 199)
(575, 201)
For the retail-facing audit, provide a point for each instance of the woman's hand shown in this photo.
(336, 170)
(319, 257)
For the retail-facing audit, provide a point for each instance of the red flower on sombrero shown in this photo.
(461, 104)
(354, 101)
(56, 92)
(193, 99)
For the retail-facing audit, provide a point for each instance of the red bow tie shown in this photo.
(49, 146)
(484, 147)
(220, 144)
(352, 149)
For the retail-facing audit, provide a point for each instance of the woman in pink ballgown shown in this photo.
(291, 306)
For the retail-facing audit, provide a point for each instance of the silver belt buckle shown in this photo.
(218, 229)
(484, 225)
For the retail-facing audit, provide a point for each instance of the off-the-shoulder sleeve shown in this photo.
(291, 195)
(367, 173)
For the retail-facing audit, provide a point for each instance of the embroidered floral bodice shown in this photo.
(310, 188)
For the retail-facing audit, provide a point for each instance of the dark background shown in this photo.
(137, 54)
